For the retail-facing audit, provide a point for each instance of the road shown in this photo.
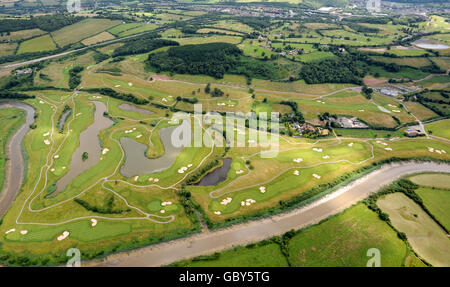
(211, 241)
(15, 65)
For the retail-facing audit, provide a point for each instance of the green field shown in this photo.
(10, 120)
(439, 128)
(426, 237)
(344, 240)
(434, 200)
(82, 30)
(39, 44)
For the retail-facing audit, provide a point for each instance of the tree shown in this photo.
(208, 88)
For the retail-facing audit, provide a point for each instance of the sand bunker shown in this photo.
(166, 203)
(262, 189)
(388, 148)
(93, 222)
(297, 160)
(130, 84)
(46, 134)
(240, 171)
(316, 176)
(63, 236)
(23, 232)
(226, 201)
(248, 202)
(56, 156)
(11, 230)
(350, 144)
(326, 156)
(47, 142)
(296, 172)
(217, 212)
(317, 149)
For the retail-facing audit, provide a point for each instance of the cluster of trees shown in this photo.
(367, 92)
(212, 59)
(362, 28)
(343, 70)
(107, 209)
(14, 95)
(75, 77)
(295, 117)
(113, 94)
(143, 44)
(47, 23)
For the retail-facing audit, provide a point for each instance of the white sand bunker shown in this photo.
(296, 172)
(391, 105)
(136, 177)
(166, 203)
(11, 230)
(63, 167)
(93, 222)
(23, 232)
(130, 84)
(262, 189)
(317, 149)
(248, 202)
(79, 114)
(221, 104)
(116, 86)
(388, 148)
(297, 160)
(350, 144)
(105, 151)
(128, 131)
(316, 176)
(52, 169)
(163, 211)
(41, 101)
(360, 110)
(240, 171)
(182, 169)
(396, 111)
(63, 236)
(217, 212)
(430, 149)
(47, 142)
(438, 151)
(138, 136)
(189, 165)
(164, 99)
(46, 134)
(56, 156)
(326, 156)
(225, 201)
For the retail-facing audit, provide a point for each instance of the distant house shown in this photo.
(411, 132)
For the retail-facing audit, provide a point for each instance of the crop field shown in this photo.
(21, 35)
(344, 240)
(412, 62)
(439, 128)
(102, 37)
(138, 29)
(427, 238)
(420, 111)
(233, 25)
(10, 120)
(82, 30)
(7, 49)
(42, 43)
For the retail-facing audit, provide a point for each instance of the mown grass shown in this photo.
(439, 128)
(435, 201)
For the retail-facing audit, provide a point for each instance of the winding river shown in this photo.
(15, 170)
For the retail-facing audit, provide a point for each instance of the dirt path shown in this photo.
(212, 241)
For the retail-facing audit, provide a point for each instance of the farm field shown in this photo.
(82, 30)
(103, 36)
(427, 238)
(439, 128)
(7, 49)
(39, 44)
(21, 35)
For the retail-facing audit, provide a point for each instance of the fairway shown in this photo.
(439, 128)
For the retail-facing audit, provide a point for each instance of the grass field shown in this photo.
(420, 111)
(82, 30)
(439, 128)
(7, 49)
(436, 180)
(344, 240)
(10, 121)
(103, 36)
(21, 35)
(427, 238)
(261, 255)
(39, 44)
(436, 201)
